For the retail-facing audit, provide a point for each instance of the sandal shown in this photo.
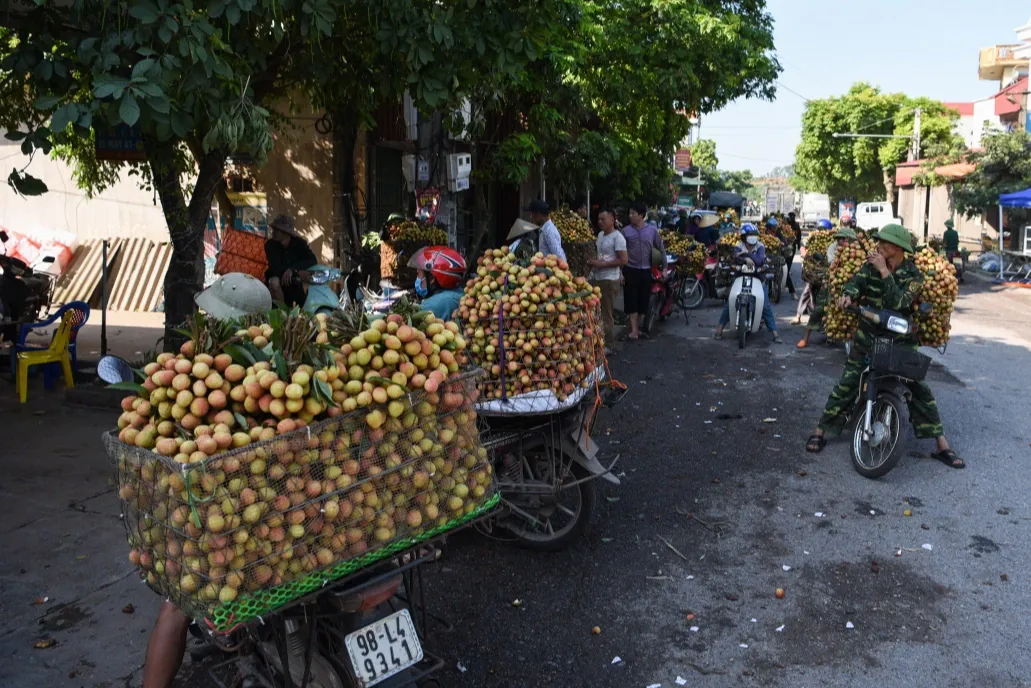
(815, 444)
(801, 344)
(643, 335)
(949, 458)
(718, 335)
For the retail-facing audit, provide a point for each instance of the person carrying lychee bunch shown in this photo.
(230, 297)
(440, 271)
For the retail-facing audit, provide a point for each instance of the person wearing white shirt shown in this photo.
(612, 256)
(550, 242)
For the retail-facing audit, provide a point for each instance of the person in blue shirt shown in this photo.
(750, 249)
(440, 272)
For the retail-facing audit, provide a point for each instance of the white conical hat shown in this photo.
(521, 227)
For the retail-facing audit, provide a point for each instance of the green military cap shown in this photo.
(846, 233)
(950, 224)
(898, 235)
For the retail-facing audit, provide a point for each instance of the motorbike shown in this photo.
(746, 300)
(322, 299)
(25, 295)
(881, 406)
(666, 293)
(957, 262)
(704, 284)
(546, 466)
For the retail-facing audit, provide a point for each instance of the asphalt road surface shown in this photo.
(712, 445)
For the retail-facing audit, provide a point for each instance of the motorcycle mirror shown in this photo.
(319, 277)
(113, 370)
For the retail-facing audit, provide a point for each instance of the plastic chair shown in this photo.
(81, 313)
(57, 353)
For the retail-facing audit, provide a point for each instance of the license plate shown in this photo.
(384, 648)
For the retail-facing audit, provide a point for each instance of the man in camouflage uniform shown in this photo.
(889, 280)
(842, 237)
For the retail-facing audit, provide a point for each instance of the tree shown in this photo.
(703, 155)
(739, 182)
(1003, 166)
(201, 84)
(864, 168)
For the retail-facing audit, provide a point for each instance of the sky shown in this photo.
(918, 47)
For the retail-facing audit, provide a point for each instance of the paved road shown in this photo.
(737, 497)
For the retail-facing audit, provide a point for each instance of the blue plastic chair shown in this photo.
(52, 370)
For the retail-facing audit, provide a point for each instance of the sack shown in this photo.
(658, 258)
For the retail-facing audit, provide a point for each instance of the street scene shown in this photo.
(512, 351)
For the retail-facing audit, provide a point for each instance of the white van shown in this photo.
(872, 216)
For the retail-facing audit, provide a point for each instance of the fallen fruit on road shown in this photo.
(779, 593)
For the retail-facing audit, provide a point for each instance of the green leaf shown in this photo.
(240, 355)
(141, 68)
(241, 421)
(130, 387)
(145, 11)
(25, 184)
(323, 390)
(279, 363)
(129, 110)
(63, 117)
(233, 14)
(47, 102)
(15, 135)
(159, 104)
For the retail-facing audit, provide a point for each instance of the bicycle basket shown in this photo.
(895, 359)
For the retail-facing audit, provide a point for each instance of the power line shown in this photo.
(791, 90)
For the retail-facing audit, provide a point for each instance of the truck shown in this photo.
(815, 207)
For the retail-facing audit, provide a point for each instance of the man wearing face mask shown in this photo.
(438, 283)
(751, 250)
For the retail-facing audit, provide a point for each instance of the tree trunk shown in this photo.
(346, 129)
(186, 225)
(889, 190)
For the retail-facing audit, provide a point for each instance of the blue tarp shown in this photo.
(1017, 199)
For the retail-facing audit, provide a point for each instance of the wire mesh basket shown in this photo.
(547, 358)
(897, 359)
(247, 531)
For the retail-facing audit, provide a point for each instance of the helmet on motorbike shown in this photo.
(824, 224)
(749, 228)
(846, 220)
(234, 295)
(445, 264)
(772, 222)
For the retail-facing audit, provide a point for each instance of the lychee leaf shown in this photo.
(241, 421)
(240, 355)
(130, 387)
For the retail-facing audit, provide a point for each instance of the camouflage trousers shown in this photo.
(923, 410)
(819, 310)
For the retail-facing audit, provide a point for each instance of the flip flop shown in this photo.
(718, 335)
(815, 444)
(949, 458)
(801, 344)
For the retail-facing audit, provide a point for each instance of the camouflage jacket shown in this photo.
(896, 292)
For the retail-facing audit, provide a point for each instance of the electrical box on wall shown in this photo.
(459, 167)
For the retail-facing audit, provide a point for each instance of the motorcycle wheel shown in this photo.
(775, 292)
(890, 420)
(654, 304)
(693, 294)
(742, 327)
(549, 538)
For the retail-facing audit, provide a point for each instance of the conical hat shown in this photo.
(521, 227)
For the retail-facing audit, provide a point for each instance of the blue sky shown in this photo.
(918, 47)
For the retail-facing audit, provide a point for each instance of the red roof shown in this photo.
(906, 171)
(1003, 105)
(964, 109)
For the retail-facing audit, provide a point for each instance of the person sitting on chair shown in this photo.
(289, 258)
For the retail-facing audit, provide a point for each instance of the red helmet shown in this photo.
(445, 264)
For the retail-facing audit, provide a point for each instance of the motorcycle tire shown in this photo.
(775, 292)
(693, 293)
(542, 542)
(863, 460)
(742, 327)
(654, 304)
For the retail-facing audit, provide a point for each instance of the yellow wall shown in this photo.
(298, 180)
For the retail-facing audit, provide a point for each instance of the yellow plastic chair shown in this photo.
(57, 353)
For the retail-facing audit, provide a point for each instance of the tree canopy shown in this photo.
(703, 155)
(1003, 166)
(864, 168)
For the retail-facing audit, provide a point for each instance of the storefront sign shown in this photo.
(121, 143)
(682, 162)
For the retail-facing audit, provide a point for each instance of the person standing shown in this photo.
(581, 209)
(641, 239)
(951, 245)
(289, 258)
(890, 280)
(550, 240)
(612, 256)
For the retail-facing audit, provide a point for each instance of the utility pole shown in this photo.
(914, 154)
